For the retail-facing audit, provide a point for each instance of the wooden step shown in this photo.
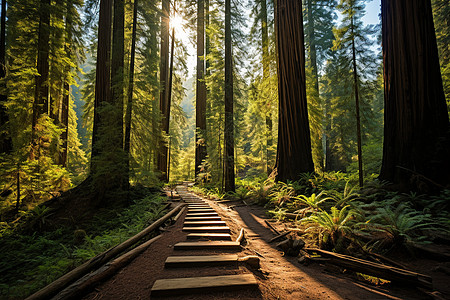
(205, 210)
(204, 223)
(193, 219)
(200, 261)
(191, 206)
(208, 214)
(182, 286)
(206, 229)
(209, 236)
(210, 245)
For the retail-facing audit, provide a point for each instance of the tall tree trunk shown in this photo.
(200, 107)
(266, 74)
(102, 76)
(315, 73)
(64, 114)
(129, 110)
(164, 80)
(117, 89)
(294, 142)
(358, 118)
(169, 96)
(229, 124)
(5, 138)
(41, 96)
(416, 133)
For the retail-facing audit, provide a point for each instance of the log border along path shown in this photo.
(207, 232)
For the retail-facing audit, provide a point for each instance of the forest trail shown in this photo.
(191, 263)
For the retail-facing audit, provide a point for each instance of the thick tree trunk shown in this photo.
(294, 142)
(117, 91)
(102, 75)
(129, 110)
(200, 109)
(5, 138)
(416, 133)
(164, 81)
(41, 97)
(229, 124)
(358, 118)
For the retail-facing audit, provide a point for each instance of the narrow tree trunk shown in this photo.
(41, 97)
(294, 142)
(129, 110)
(164, 80)
(170, 99)
(18, 189)
(102, 75)
(416, 132)
(65, 123)
(266, 74)
(5, 138)
(229, 124)
(200, 107)
(358, 118)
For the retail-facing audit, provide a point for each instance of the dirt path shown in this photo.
(279, 277)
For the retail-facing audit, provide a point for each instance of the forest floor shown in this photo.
(280, 277)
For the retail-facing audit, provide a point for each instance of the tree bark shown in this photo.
(358, 118)
(102, 74)
(5, 138)
(200, 109)
(294, 142)
(164, 80)
(129, 110)
(416, 132)
(229, 124)
(41, 97)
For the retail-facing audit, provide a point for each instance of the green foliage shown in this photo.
(29, 262)
(335, 225)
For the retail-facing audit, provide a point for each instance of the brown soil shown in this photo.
(280, 277)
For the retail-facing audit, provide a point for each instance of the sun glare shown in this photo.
(176, 22)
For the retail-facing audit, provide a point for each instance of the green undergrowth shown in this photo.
(335, 214)
(29, 262)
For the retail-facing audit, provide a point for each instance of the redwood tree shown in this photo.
(416, 151)
(294, 142)
(200, 106)
(164, 81)
(102, 77)
(229, 124)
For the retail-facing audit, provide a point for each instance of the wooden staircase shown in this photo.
(207, 232)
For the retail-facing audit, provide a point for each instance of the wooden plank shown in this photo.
(210, 245)
(203, 218)
(200, 210)
(181, 286)
(211, 214)
(201, 261)
(206, 229)
(209, 236)
(204, 223)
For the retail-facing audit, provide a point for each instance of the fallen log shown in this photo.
(375, 269)
(179, 214)
(82, 286)
(60, 283)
